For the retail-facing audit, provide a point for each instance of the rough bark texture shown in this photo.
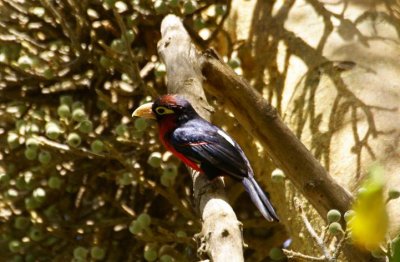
(220, 238)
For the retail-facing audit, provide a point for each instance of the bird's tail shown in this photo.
(259, 198)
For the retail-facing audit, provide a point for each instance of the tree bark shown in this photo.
(220, 238)
(262, 121)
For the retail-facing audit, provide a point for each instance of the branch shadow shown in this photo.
(263, 45)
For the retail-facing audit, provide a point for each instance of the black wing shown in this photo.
(208, 145)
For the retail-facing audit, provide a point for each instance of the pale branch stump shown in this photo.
(221, 237)
(261, 120)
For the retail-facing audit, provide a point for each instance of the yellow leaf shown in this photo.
(369, 225)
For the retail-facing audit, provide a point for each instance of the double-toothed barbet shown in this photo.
(203, 146)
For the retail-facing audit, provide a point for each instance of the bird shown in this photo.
(203, 146)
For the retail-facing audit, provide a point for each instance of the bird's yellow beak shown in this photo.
(144, 111)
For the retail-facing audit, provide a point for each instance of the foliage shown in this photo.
(78, 175)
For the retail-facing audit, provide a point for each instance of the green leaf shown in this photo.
(395, 256)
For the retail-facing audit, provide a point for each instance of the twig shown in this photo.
(314, 235)
(293, 254)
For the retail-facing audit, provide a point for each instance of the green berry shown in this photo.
(66, 100)
(39, 194)
(349, 214)
(276, 254)
(78, 104)
(30, 153)
(166, 258)
(167, 181)
(189, 7)
(335, 228)
(170, 170)
(15, 246)
(32, 143)
(135, 228)
(393, 193)
(333, 215)
(155, 159)
(36, 234)
(53, 131)
(118, 45)
(125, 179)
(74, 140)
(44, 157)
(63, 111)
(144, 220)
(160, 7)
(21, 223)
(278, 176)
(80, 252)
(54, 182)
(97, 146)
(12, 139)
(181, 234)
(97, 253)
(150, 254)
(105, 62)
(140, 124)
(86, 126)
(12, 193)
(78, 114)
(121, 130)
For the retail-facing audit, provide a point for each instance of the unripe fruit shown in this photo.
(125, 179)
(74, 140)
(170, 170)
(181, 234)
(393, 193)
(53, 131)
(167, 181)
(97, 253)
(39, 194)
(21, 223)
(32, 143)
(117, 45)
(141, 124)
(66, 100)
(150, 254)
(78, 114)
(12, 140)
(15, 246)
(349, 214)
(278, 176)
(54, 182)
(121, 130)
(30, 153)
(78, 104)
(86, 126)
(335, 228)
(80, 252)
(144, 220)
(44, 157)
(63, 111)
(135, 228)
(97, 146)
(276, 254)
(333, 215)
(155, 159)
(36, 234)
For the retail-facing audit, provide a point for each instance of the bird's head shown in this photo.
(167, 107)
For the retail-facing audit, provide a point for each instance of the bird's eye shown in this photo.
(163, 110)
